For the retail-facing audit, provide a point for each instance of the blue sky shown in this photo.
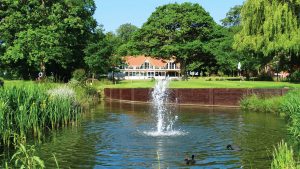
(113, 13)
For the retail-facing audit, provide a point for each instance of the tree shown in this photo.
(42, 35)
(221, 48)
(271, 31)
(125, 32)
(233, 17)
(180, 30)
(99, 53)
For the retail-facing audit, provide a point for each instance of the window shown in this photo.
(147, 65)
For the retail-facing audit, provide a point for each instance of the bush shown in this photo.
(265, 77)
(1, 82)
(79, 75)
(295, 77)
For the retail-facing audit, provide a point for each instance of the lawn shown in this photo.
(191, 83)
(202, 83)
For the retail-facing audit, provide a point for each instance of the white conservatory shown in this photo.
(144, 67)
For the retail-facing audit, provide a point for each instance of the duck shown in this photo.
(229, 147)
(190, 161)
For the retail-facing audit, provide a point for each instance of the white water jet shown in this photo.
(165, 118)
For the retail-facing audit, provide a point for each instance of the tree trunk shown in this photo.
(183, 70)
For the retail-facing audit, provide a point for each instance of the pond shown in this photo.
(113, 135)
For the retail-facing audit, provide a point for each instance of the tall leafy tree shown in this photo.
(271, 31)
(45, 35)
(221, 46)
(233, 17)
(180, 30)
(125, 32)
(99, 53)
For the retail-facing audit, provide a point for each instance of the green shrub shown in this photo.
(295, 77)
(283, 157)
(265, 77)
(79, 75)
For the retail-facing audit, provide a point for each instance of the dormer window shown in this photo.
(145, 65)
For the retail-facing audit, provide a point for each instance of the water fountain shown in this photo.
(165, 118)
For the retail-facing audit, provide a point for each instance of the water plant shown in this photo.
(30, 109)
(25, 158)
(283, 157)
(258, 104)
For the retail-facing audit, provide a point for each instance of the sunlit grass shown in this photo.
(200, 83)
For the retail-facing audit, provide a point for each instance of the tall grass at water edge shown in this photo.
(290, 107)
(31, 109)
(283, 157)
(257, 104)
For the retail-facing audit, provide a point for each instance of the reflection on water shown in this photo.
(111, 136)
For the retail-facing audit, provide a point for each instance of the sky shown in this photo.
(113, 13)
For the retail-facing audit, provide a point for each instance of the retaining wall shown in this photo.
(205, 97)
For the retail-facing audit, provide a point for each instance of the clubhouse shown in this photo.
(145, 67)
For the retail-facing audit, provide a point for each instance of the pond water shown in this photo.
(113, 135)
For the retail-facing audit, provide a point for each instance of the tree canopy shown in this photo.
(180, 30)
(233, 17)
(125, 32)
(270, 29)
(45, 35)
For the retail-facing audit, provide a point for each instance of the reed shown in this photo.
(31, 109)
(266, 105)
(283, 157)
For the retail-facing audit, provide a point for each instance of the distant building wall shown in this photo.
(204, 97)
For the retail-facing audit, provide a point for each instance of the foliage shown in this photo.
(270, 29)
(255, 103)
(290, 107)
(295, 76)
(283, 157)
(265, 77)
(29, 109)
(233, 17)
(79, 75)
(25, 158)
(125, 32)
(180, 30)
(221, 47)
(45, 35)
(99, 53)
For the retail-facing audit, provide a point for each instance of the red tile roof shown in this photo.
(139, 60)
